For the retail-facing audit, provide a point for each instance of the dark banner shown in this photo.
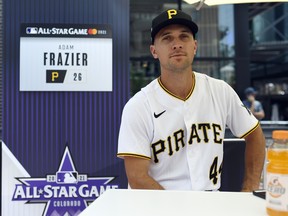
(60, 139)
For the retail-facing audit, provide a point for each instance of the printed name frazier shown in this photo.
(65, 59)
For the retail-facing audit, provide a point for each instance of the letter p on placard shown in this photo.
(55, 75)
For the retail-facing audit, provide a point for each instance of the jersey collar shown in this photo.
(170, 93)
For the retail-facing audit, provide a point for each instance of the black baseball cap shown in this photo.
(172, 16)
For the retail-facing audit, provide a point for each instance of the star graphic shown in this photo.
(66, 193)
(40, 191)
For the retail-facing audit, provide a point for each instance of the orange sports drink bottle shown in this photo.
(277, 175)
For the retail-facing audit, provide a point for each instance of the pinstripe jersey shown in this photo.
(183, 139)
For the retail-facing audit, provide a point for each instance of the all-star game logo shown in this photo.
(67, 193)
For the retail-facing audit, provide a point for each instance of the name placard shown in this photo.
(62, 57)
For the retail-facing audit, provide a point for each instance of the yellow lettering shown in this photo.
(55, 75)
(171, 13)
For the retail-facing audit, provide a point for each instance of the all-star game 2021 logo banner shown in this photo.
(67, 193)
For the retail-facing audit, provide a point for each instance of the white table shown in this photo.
(122, 202)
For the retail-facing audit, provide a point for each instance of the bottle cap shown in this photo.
(280, 134)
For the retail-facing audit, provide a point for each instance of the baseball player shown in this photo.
(172, 131)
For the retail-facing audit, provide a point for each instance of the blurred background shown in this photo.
(243, 44)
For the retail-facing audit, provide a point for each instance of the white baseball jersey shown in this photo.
(183, 139)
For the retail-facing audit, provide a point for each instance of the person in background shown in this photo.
(252, 104)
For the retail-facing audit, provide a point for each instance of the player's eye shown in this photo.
(165, 38)
(185, 36)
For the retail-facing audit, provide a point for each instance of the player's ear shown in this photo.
(153, 51)
(195, 46)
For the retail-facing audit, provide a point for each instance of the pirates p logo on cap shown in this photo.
(171, 13)
(169, 17)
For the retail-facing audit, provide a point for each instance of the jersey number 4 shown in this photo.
(214, 172)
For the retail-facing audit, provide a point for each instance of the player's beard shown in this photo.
(178, 66)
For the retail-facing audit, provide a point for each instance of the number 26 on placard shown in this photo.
(77, 76)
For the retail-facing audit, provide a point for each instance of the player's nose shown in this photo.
(177, 45)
